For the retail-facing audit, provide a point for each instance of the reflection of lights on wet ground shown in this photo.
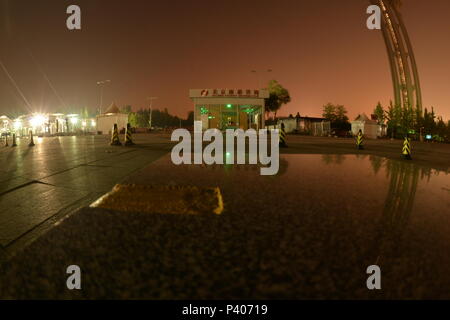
(40, 139)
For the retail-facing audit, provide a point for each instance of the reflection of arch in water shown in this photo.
(405, 76)
(404, 178)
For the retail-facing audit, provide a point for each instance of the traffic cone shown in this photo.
(407, 149)
(31, 144)
(128, 138)
(115, 141)
(14, 143)
(360, 140)
(283, 143)
(6, 141)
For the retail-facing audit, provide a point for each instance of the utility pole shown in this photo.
(101, 85)
(151, 99)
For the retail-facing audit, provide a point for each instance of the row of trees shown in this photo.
(159, 119)
(398, 121)
(414, 121)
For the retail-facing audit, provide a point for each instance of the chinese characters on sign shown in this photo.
(230, 93)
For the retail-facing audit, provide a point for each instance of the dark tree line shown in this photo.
(337, 115)
(159, 118)
(415, 122)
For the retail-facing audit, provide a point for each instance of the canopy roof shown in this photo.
(364, 118)
(112, 109)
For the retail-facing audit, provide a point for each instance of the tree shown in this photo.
(190, 119)
(441, 128)
(329, 112)
(447, 138)
(407, 119)
(394, 119)
(379, 114)
(279, 96)
(142, 118)
(341, 114)
(429, 123)
(84, 113)
(337, 115)
(133, 119)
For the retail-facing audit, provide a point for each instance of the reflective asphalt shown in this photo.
(308, 233)
(42, 184)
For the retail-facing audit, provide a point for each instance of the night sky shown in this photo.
(320, 50)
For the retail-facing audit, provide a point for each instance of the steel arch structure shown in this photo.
(405, 76)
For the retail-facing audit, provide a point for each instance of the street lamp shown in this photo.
(151, 99)
(101, 84)
(258, 73)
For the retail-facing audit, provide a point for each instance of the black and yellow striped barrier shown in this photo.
(14, 142)
(128, 137)
(31, 144)
(283, 143)
(406, 153)
(360, 140)
(115, 141)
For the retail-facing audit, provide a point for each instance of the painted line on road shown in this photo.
(162, 199)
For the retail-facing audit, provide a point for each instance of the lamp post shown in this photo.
(258, 73)
(151, 99)
(101, 84)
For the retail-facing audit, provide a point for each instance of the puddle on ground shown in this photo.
(402, 184)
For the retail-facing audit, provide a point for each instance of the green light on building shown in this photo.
(203, 110)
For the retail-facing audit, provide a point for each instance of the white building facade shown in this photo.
(370, 128)
(105, 122)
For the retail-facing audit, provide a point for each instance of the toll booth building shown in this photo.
(229, 108)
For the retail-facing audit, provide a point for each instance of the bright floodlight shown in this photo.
(37, 121)
(93, 123)
(17, 125)
(74, 120)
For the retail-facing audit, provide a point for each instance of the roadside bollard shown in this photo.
(406, 153)
(283, 143)
(115, 140)
(128, 137)
(31, 144)
(360, 140)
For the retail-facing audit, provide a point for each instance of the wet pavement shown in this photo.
(308, 233)
(40, 185)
